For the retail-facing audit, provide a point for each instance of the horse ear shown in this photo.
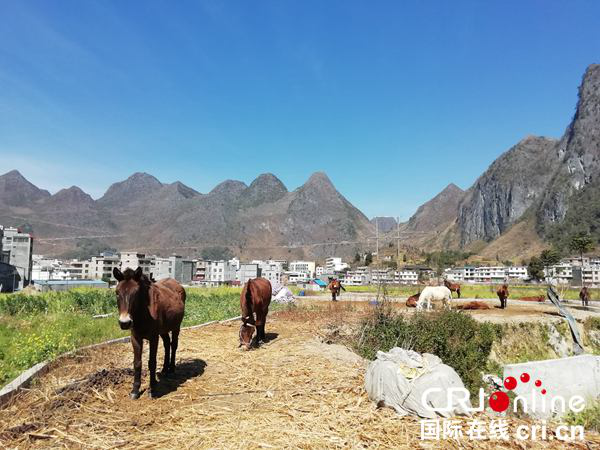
(137, 275)
(118, 274)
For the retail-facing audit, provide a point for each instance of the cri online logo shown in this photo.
(499, 401)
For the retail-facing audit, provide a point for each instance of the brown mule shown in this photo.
(149, 310)
(254, 303)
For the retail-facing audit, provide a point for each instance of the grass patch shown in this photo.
(459, 340)
(37, 327)
(589, 417)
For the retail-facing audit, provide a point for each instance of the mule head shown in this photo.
(131, 290)
(247, 334)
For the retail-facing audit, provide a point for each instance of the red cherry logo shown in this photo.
(544, 391)
(510, 383)
(538, 383)
(499, 401)
(524, 377)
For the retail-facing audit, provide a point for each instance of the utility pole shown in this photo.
(398, 238)
(377, 237)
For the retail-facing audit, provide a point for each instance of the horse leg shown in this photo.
(174, 344)
(137, 344)
(152, 365)
(458, 292)
(260, 328)
(167, 346)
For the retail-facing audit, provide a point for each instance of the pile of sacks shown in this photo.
(398, 379)
(281, 294)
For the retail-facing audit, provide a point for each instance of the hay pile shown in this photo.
(293, 392)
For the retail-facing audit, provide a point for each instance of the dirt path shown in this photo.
(295, 392)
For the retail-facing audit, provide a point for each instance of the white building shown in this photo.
(494, 274)
(406, 276)
(133, 260)
(517, 273)
(319, 270)
(308, 267)
(101, 267)
(561, 273)
(334, 264)
(248, 271)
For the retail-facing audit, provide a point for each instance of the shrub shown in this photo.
(459, 340)
(589, 417)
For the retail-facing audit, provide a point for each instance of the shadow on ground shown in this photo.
(184, 371)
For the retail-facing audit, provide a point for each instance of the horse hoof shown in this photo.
(134, 395)
(152, 394)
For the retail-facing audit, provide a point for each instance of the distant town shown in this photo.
(20, 267)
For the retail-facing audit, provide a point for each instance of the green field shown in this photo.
(37, 327)
(480, 291)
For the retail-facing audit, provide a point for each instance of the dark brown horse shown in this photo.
(335, 288)
(411, 301)
(503, 294)
(254, 303)
(584, 295)
(149, 310)
(454, 287)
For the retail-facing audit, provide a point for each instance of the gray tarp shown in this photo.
(399, 378)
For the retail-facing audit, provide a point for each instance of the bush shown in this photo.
(459, 340)
(589, 417)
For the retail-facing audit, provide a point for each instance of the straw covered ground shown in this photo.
(294, 392)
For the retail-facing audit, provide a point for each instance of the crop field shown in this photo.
(480, 291)
(36, 327)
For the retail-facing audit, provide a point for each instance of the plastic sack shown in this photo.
(398, 379)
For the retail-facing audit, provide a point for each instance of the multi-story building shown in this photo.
(17, 249)
(249, 271)
(494, 274)
(591, 275)
(406, 276)
(334, 264)
(133, 260)
(517, 273)
(171, 267)
(319, 270)
(361, 276)
(101, 266)
(307, 267)
(561, 273)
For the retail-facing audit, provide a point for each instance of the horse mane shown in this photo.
(247, 310)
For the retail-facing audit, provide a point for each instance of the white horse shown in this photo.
(434, 293)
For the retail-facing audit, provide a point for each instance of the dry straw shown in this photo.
(295, 392)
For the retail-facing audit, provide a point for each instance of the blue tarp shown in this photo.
(320, 283)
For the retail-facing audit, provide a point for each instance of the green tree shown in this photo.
(535, 268)
(368, 259)
(549, 257)
(581, 243)
(356, 258)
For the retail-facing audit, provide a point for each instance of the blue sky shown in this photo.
(394, 100)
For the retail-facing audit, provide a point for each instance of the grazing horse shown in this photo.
(454, 287)
(335, 287)
(254, 302)
(411, 301)
(149, 310)
(434, 293)
(502, 294)
(584, 295)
